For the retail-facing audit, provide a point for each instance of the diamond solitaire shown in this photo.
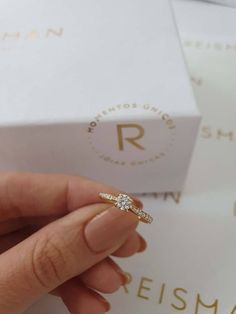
(126, 203)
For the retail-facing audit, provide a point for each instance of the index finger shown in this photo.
(37, 194)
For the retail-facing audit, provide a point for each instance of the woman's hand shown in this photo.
(57, 236)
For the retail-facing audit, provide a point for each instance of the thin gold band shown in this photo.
(126, 203)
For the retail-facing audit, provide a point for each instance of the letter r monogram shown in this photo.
(131, 140)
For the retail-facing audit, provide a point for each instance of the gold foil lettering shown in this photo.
(230, 47)
(131, 140)
(174, 196)
(198, 44)
(13, 36)
(134, 138)
(146, 107)
(197, 81)
(219, 134)
(206, 132)
(154, 109)
(188, 43)
(98, 117)
(197, 304)
(126, 106)
(218, 46)
(165, 116)
(234, 209)
(142, 287)
(111, 109)
(165, 196)
(54, 32)
(163, 286)
(230, 135)
(210, 45)
(32, 35)
(91, 127)
(182, 301)
(206, 306)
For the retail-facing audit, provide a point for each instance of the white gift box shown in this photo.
(98, 89)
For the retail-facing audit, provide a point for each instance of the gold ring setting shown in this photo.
(126, 203)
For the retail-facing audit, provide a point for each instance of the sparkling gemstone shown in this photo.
(124, 202)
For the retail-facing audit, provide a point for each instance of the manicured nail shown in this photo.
(123, 276)
(106, 229)
(99, 297)
(143, 244)
(126, 278)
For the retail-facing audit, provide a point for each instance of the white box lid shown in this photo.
(66, 62)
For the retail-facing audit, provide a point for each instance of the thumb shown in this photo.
(60, 251)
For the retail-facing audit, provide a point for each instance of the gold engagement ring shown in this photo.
(126, 203)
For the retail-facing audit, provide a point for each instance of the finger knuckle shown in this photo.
(48, 261)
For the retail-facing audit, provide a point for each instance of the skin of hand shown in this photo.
(57, 236)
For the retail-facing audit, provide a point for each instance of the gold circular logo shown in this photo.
(131, 134)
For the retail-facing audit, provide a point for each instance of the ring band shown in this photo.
(126, 203)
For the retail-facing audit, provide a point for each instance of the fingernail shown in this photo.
(106, 229)
(123, 276)
(142, 245)
(99, 297)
